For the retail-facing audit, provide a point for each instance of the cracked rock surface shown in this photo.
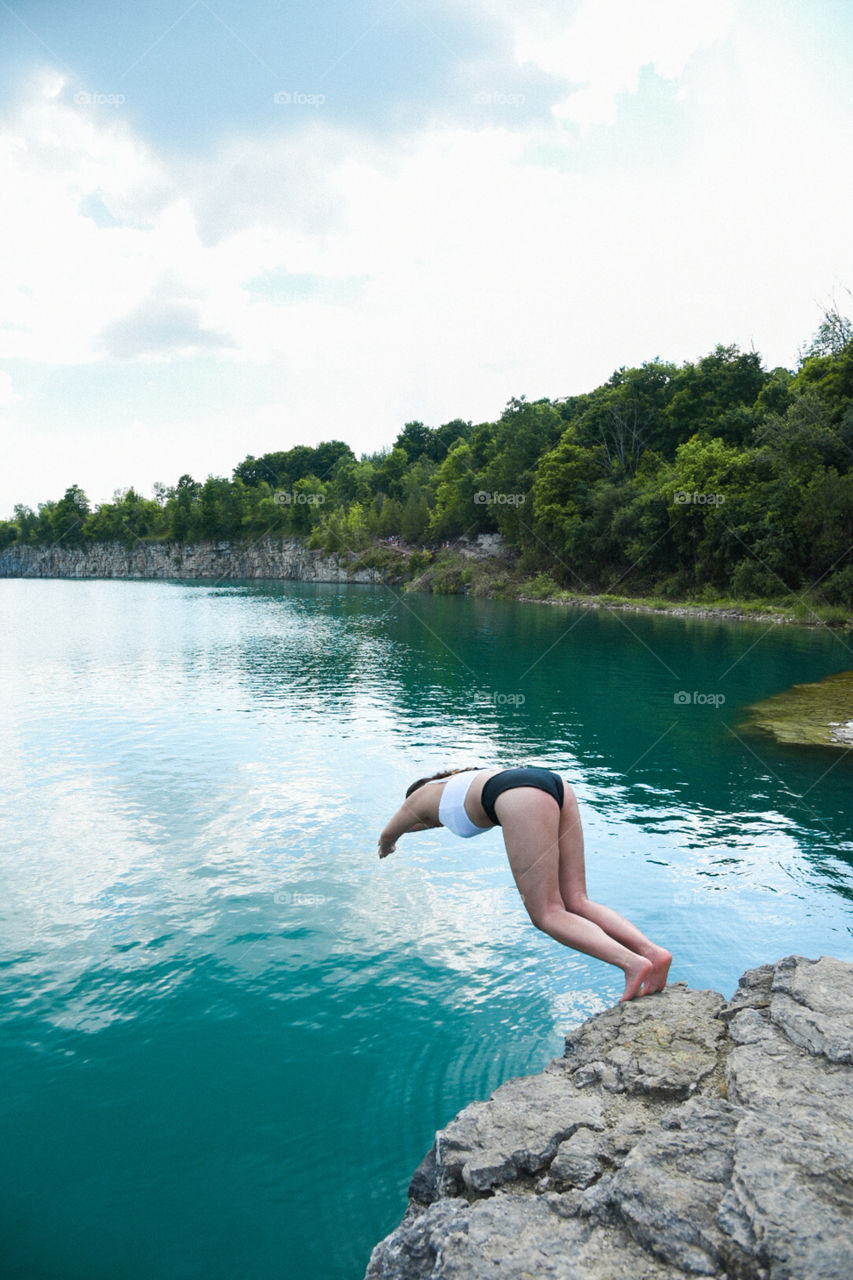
(680, 1135)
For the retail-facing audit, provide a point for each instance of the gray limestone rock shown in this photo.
(680, 1135)
(273, 558)
(669, 1188)
(579, 1161)
(511, 1235)
(514, 1135)
(753, 992)
(813, 1004)
(664, 1046)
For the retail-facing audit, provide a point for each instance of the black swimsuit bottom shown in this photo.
(507, 779)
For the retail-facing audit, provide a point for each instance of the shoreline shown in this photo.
(678, 609)
(480, 569)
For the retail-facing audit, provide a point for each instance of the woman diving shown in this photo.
(538, 813)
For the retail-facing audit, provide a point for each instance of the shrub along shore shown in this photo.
(455, 570)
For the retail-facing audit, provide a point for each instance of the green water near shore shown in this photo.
(229, 1031)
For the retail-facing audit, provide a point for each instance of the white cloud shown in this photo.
(166, 322)
(603, 50)
(470, 254)
(65, 276)
(8, 394)
(285, 182)
(600, 46)
(489, 262)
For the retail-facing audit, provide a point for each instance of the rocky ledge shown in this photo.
(276, 558)
(680, 1135)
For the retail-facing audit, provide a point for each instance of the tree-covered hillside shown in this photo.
(715, 475)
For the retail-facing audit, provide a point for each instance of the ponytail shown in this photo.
(444, 773)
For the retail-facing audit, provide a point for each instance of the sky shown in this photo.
(233, 227)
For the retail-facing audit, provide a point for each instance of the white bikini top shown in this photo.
(451, 806)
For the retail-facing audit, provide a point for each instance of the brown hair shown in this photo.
(434, 777)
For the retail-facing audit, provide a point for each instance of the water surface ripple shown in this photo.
(228, 1030)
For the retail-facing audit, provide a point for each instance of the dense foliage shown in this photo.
(714, 476)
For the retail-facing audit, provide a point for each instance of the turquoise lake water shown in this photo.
(229, 1031)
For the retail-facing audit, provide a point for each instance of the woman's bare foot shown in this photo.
(656, 980)
(635, 976)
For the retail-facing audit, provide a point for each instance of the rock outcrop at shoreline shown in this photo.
(680, 1135)
(277, 558)
(818, 714)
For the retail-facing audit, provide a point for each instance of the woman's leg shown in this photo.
(572, 881)
(531, 823)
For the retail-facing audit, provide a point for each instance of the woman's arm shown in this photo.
(415, 814)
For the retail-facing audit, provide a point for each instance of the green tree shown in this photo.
(26, 521)
(307, 499)
(776, 395)
(524, 432)
(415, 440)
(627, 416)
(390, 472)
(835, 332)
(562, 497)
(802, 438)
(182, 508)
(415, 521)
(455, 512)
(327, 455)
(831, 377)
(352, 481)
(447, 435)
(824, 526)
(720, 509)
(211, 503)
(69, 515)
(705, 393)
(431, 443)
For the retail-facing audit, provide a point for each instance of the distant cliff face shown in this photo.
(680, 1135)
(285, 558)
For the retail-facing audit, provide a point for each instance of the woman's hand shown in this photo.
(386, 847)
